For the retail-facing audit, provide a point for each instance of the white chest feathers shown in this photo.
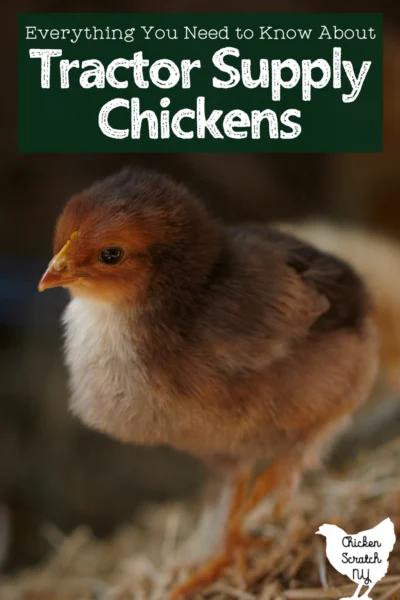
(108, 383)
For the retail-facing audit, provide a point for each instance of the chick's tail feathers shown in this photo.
(377, 259)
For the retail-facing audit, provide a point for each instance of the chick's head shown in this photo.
(113, 239)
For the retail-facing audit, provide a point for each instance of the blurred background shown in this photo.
(52, 469)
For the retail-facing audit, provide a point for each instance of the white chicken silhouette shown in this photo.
(362, 557)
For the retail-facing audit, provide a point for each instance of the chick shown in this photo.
(234, 344)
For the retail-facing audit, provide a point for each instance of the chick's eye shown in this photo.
(111, 256)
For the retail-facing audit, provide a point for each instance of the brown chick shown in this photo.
(231, 343)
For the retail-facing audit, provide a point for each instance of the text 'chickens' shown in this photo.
(276, 75)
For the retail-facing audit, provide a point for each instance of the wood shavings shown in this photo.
(138, 562)
(390, 594)
(321, 561)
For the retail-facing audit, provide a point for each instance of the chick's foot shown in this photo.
(238, 543)
(234, 551)
(234, 556)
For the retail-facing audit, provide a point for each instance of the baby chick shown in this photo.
(234, 344)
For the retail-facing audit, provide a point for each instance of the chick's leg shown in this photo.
(281, 477)
(285, 473)
(237, 542)
(211, 571)
(264, 484)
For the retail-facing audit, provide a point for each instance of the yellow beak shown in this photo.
(58, 272)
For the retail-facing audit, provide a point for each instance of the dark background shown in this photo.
(52, 468)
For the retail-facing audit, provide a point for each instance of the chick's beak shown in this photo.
(58, 272)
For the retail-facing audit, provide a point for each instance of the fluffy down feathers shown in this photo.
(231, 343)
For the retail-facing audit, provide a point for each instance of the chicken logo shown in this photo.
(363, 557)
